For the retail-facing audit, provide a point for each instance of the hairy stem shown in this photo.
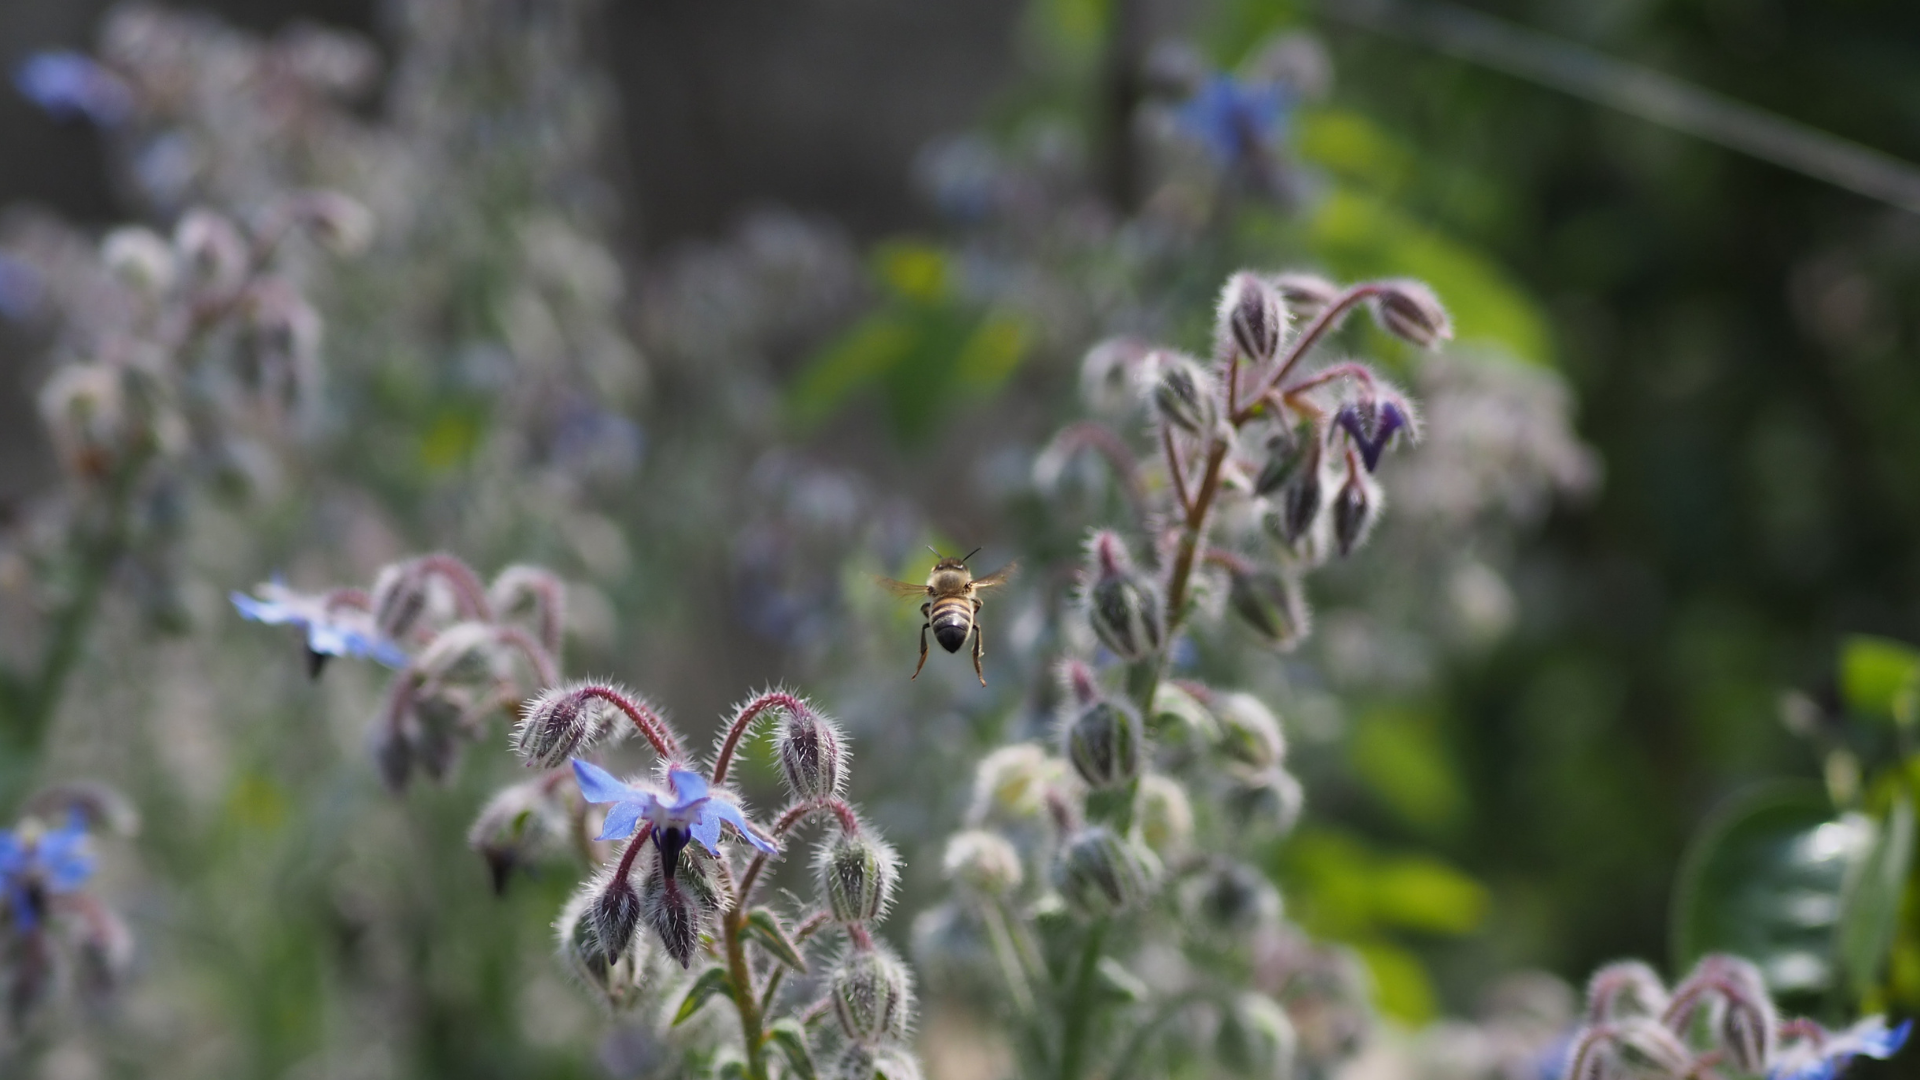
(750, 712)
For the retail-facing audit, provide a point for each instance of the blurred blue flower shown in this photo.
(68, 86)
(20, 288)
(52, 862)
(1825, 1059)
(1371, 427)
(690, 810)
(1236, 121)
(332, 630)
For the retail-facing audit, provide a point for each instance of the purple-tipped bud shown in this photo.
(1296, 505)
(400, 598)
(615, 915)
(1355, 509)
(1122, 604)
(812, 759)
(674, 915)
(983, 861)
(872, 994)
(1163, 815)
(1232, 900)
(1102, 738)
(391, 738)
(1099, 873)
(1748, 1031)
(580, 945)
(1256, 1037)
(1409, 310)
(1183, 394)
(1644, 1049)
(862, 1062)
(515, 826)
(1289, 450)
(1372, 425)
(565, 722)
(1249, 732)
(1306, 295)
(1272, 799)
(1271, 603)
(1251, 319)
(857, 874)
(1625, 988)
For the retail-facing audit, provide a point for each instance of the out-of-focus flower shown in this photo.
(70, 86)
(689, 809)
(1235, 120)
(332, 629)
(34, 865)
(1823, 1057)
(20, 288)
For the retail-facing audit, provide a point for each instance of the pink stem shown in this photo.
(1328, 318)
(748, 714)
(650, 725)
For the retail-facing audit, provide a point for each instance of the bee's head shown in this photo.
(949, 562)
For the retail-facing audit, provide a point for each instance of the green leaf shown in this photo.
(1874, 671)
(1422, 893)
(1870, 900)
(763, 927)
(733, 1069)
(1404, 761)
(1763, 879)
(712, 981)
(790, 1039)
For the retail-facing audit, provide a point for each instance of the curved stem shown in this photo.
(793, 817)
(643, 717)
(750, 712)
(544, 669)
(1176, 468)
(467, 589)
(1329, 317)
(1100, 438)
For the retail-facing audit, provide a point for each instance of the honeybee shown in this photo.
(951, 605)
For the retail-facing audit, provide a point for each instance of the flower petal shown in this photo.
(622, 819)
(718, 810)
(271, 612)
(705, 827)
(597, 785)
(63, 857)
(689, 787)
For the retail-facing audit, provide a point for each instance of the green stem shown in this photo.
(1129, 1061)
(1079, 1017)
(751, 1022)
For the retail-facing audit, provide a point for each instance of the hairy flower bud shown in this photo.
(1011, 783)
(872, 995)
(1107, 373)
(862, 1062)
(673, 913)
(1373, 424)
(1644, 1049)
(1183, 393)
(1098, 872)
(1306, 295)
(615, 914)
(1297, 501)
(1251, 319)
(103, 954)
(1289, 450)
(1625, 988)
(1271, 603)
(212, 248)
(1271, 799)
(1232, 900)
(1163, 815)
(1256, 1038)
(1355, 509)
(1102, 739)
(983, 861)
(565, 722)
(857, 874)
(1122, 604)
(581, 947)
(514, 826)
(1249, 732)
(1409, 310)
(138, 256)
(811, 756)
(399, 598)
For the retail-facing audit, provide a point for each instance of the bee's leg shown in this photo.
(979, 644)
(923, 651)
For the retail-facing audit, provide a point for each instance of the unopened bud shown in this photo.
(1102, 739)
(1271, 603)
(811, 756)
(1306, 295)
(565, 722)
(579, 947)
(1625, 988)
(1233, 900)
(514, 826)
(464, 652)
(139, 257)
(857, 874)
(1251, 319)
(105, 952)
(1107, 373)
(399, 598)
(1122, 604)
(872, 995)
(1748, 1031)
(615, 915)
(861, 1062)
(212, 248)
(1409, 310)
(1163, 814)
(983, 861)
(1289, 450)
(703, 879)
(1098, 872)
(1373, 424)
(1644, 1049)
(1011, 783)
(671, 911)
(1257, 1038)
(1355, 509)
(1296, 505)
(1183, 394)
(1249, 732)
(1272, 799)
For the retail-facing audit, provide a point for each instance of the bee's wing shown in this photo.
(998, 577)
(902, 589)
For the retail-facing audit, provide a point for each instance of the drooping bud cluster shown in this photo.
(1183, 393)
(812, 758)
(1122, 603)
(54, 932)
(1721, 1014)
(1252, 316)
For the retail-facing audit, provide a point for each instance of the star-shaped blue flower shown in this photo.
(53, 863)
(1234, 120)
(690, 809)
(68, 85)
(1809, 1059)
(331, 630)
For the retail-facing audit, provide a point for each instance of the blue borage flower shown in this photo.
(1824, 1058)
(33, 862)
(690, 809)
(68, 86)
(1371, 426)
(20, 288)
(1234, 120)
(332, 629)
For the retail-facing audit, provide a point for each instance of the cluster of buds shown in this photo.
(464, 650)
(56, 936)
(679, 896)
(1720, 1017)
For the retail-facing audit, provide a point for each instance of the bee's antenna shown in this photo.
(971, 554)
(936, 552)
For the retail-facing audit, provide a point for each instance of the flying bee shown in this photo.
(952, 605)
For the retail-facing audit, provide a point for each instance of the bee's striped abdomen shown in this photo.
(952, 618)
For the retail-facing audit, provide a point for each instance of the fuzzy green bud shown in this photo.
(1249, 732)
(857, 874)
(983, 861)
(1098, 872)
(872, 995)
(1271, 603)
(1257, 1038)
(1102, 739)
(1122, 605)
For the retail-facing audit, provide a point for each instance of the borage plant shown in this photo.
(1153, 940)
